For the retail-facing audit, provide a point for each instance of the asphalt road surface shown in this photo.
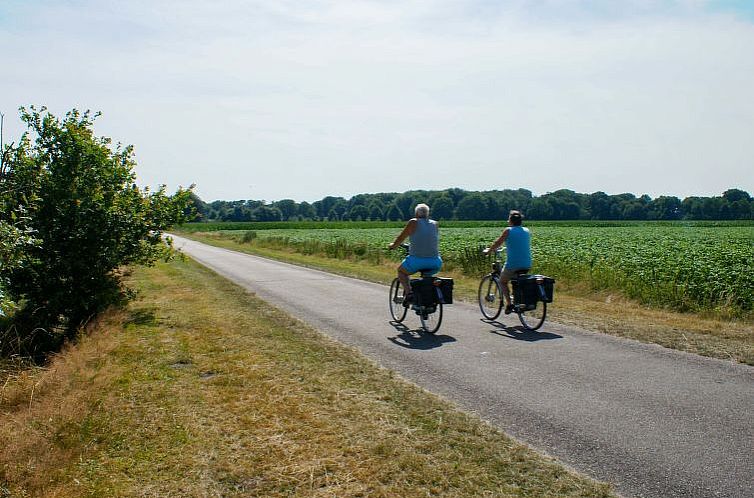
(651, 421)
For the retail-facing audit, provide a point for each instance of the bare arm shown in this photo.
(500, 241)
(407, 230)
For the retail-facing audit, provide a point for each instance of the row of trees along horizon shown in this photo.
(459, 204)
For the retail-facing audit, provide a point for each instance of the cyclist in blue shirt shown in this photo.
(518, 248)
(423, 253)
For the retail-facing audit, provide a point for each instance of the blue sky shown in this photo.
(292, 99)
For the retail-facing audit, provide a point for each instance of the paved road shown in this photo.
(653, 422)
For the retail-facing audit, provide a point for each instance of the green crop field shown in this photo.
(683, 266)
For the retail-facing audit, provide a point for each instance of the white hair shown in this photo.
(421, 211)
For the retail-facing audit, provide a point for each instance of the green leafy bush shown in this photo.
(248, 236)
(84, 217)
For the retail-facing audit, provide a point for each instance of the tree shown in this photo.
(357, 200)
(358, 213)
(324, 206)
(666, 208)
(406, 203)
(471, 207)
(239, 212)
(15, 237)
(88, 218)
(633, 211)
(287, 208)
(197, 209)
(375, 212)
(306, 211)
(601, 206)
(338, 210)
(693, 208)
(725, 211)
(566, 204)
(266, 213)
(539, 209)
(394, 213)
(740, 209)
(456, 194)
(14, 241)
(711, 208)
(442, 207)
(502, 202)
(732, 195)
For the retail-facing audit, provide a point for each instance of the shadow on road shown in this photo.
(416, 339)
(519, 332)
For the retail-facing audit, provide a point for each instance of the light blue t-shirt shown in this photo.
(518, 248)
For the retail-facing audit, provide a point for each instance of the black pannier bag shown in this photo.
(446, 289)
(428, 291)
(527, 291)
(424, 292)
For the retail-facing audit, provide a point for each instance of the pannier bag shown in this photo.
(527, 289)
(424, 292)
(446, 289)
(428, 291)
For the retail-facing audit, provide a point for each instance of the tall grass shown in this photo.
(334, 248)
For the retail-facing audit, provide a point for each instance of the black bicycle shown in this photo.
(429, 294)
(530, 296)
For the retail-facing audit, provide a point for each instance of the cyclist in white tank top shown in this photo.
(424, 251)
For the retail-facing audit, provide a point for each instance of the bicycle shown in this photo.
(430, 293)
(531, 307)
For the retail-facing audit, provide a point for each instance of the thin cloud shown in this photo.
(306, 99)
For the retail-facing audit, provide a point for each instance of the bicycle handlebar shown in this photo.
(403, 246)
(499, 250)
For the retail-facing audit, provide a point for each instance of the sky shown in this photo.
(289, 99)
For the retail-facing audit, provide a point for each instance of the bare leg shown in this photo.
(404, 279)
(506, 291)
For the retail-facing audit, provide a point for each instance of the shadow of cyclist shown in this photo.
(519, 333)
(416, 339)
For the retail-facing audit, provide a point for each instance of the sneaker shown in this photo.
(508, 309)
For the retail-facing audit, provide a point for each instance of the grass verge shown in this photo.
(605, 312)
(200, 389)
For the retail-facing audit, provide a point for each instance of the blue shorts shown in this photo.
(413, 264)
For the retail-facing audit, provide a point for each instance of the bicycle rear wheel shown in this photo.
(490, 297)
(431, 321)
(533, 319)
(397, 310)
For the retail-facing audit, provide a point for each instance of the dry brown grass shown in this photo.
(202, 390)
(604, 312)
(47, 416)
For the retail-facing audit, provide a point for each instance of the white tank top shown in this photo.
(425, 239)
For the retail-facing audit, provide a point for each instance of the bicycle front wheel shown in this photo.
(431, 321)
(397, 310)
(490, 297)
(533, 319)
